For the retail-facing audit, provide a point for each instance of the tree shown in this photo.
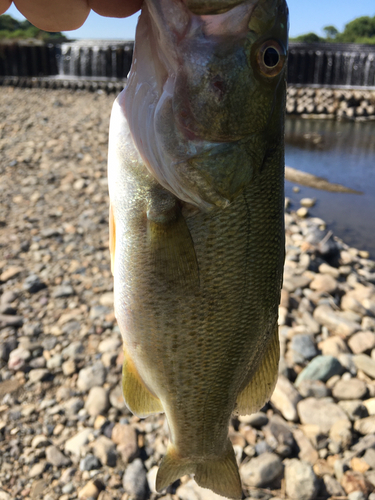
(308, 38)
(12, 29)
(331, 32)
(362, 27)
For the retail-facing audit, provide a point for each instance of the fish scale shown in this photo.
(197, 227)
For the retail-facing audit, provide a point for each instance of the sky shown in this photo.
(305, 16)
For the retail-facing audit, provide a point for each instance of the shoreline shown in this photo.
(64, 430)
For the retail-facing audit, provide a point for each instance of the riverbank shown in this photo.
(331, 103)
(64, 430)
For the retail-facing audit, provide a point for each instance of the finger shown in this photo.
(115, 8)
(4, 5)
(54, 15)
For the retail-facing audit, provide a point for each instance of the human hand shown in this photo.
(65, 15)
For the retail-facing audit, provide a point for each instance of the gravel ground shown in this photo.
(64, 430)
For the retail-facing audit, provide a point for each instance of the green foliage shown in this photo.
(15, 30)
(308, 38)
(360, 30)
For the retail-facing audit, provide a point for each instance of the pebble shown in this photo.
(56, 315)
(321, 412)
(300, 480)
(135, 480)
(261, 471)
(320, 368)
(97, 401)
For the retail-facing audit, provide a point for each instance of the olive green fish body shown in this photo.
(197, 257)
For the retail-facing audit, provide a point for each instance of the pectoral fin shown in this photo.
(138, 398)
(259, 390)
(171, 246)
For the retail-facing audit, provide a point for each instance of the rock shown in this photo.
(369, 457)
(191, 491)
(10, 273)
(33, 284)
(359, 465)
(18, 358)
(62, 291)
(91, 376)
(37, 469)
(302, 212)
(75, 443)
(324, 283)
(89, 462)
(361, 342)
(308, 202)
(292, 283)
(365, 425)
(313, 388)
(349, 389)
(89, 491)
(357, 495)
(126, 438)
(40, 441)
(257, 420)
(335, 322)
(320, 368)
(112, 344)
(332, 487)
(333, 346)
(106, 299)
(116, 398)
(104, 449)
(72, 406)
(97, 402)
(261, 471)
(285, 398)
(341, 432)
(365, 363)
(69, 367)
(74, 350)
(135, 480)
(354, 481)
(307, 452)
(38, 375)
(301, 482)
(304, 345)
(55, 457)
(327, 269)
(355, 409)
(320, 412)
(370, 405)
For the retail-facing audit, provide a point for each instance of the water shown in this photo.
(344, 153)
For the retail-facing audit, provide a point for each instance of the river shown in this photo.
(343, 153)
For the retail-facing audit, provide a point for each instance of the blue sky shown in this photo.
(305, 16)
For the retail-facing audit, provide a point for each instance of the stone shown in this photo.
(341, 432)
(357, 495)
(355, 409)
(308, 202)
(257, 420)
(135, 480)
(304, 345)
(365, 363)
(116, 398)
(18, 358)
(320, 412)
(33, 284)
(292, 283)
(62, 291)
(349, 389)
(40, 441)
(38, 375)
(333, 346)
(365, 425)
(10, 273)
(105, 450)
(111, 344)
(91, 376)
(301, 482)
(72, 406)
(126, 438)
(320, 368)
(359, 465)
(307, 452)
(37, 469)
(354, 481)
(191, 491)
(334, 321)
(369, 458)
(370, 405)
(89, 462)
(55, 457)
(324, 283)
(302, 212)
(313, 388)
(262, 470)
(361, 342)
(332, 486)
(97, 402)
(89, 491)
(69, 367)
(77, 442)
(285, 398)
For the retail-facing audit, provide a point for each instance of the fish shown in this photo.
(196, 189)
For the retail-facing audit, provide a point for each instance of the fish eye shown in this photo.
(270, 58)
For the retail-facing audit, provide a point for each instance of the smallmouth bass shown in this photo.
(196, 183)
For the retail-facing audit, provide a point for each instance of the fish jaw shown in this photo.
(201, 88)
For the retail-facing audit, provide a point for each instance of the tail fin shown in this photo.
(220, 475)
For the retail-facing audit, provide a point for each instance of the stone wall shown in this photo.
(341, 104)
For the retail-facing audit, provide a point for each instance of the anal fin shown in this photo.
(138, 398)
(260, 388)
